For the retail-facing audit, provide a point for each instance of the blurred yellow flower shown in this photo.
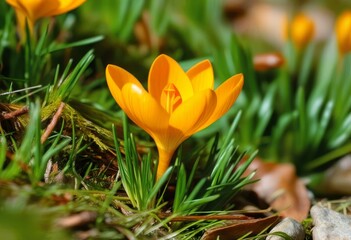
(343, 32)
(301, 30)
(177, 103)
(32, 10)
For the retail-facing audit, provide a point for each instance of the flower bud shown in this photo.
(301, 30)
(343, 32)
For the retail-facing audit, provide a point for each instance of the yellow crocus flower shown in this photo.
(343, 32)
(177, 103)
(301, 30)
(32, 10)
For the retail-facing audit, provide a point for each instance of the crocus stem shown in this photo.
(164, 159)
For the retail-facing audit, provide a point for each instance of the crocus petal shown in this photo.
(201, 76)
(116, 78)
(226, 93)
(192, 114)
(41, 9)
(165, 70)
(197, 110)
(34, 9)
(67, 5)
(13, 3)
(144, 110)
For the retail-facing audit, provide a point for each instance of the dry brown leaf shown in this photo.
(61, 199)
(146, 36)
(281, 188)
(238, 229)
(267, 61)
(335, 181)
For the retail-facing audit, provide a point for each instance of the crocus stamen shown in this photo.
(173, 98)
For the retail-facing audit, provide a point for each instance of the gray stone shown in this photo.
(289, 226)
(329, 224)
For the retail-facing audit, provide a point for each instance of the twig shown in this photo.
(46, 135)
(15, 113)
(53, 123)
(47, 171)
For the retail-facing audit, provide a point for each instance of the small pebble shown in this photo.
(329, 224)
(289, 226)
